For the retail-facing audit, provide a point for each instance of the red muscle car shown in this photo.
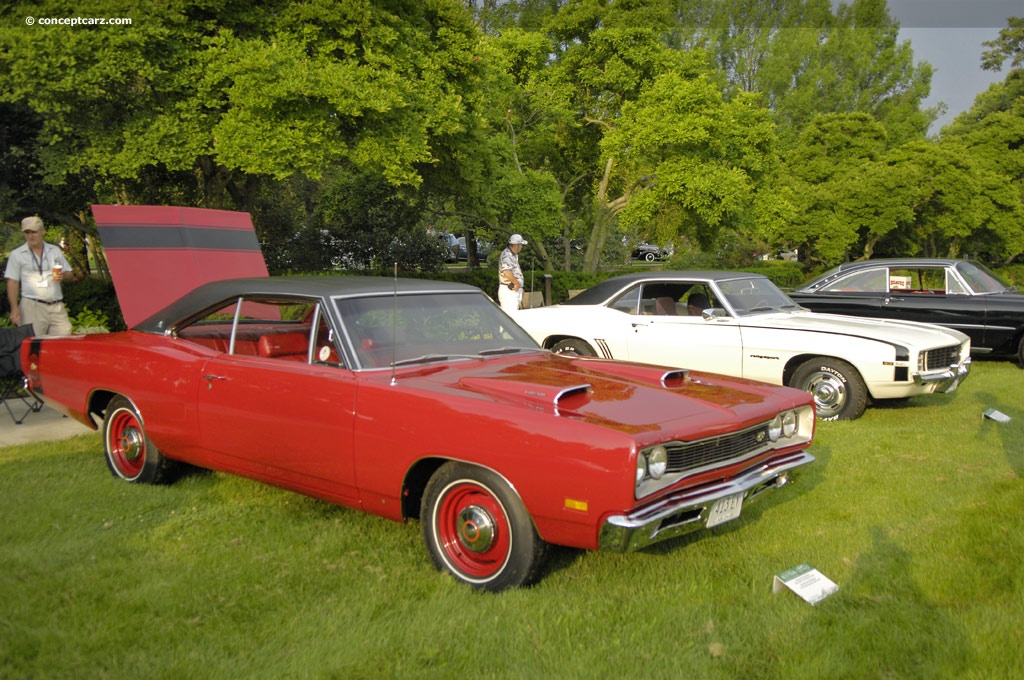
(417, 399)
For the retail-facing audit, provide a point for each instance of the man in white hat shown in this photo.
(35, 271)
(510, 276)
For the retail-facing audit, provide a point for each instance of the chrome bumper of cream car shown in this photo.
(687, 510)
(948, 380)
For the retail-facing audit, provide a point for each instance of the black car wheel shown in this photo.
(130, 453)
(573, 346)
(477, 528)
(650, 257)
(838, 390)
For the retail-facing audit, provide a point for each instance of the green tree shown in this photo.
(683, 162)
(1009, 46)
(832, 155)
(232, 92)
(808, 59)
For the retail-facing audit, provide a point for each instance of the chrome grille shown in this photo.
(943, 357)
(692, 456)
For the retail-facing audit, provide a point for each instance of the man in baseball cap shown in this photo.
(510, 276)
(35, 271)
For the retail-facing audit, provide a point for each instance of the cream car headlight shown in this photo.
(775, 428)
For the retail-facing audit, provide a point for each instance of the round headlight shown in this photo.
(657, 461)
(775, 428)
(641, 467)
(789, 423)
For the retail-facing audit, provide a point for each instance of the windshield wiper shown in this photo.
(505, 350)
(425, 359)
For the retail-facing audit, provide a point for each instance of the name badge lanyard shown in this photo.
(38, 262)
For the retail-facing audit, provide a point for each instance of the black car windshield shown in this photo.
(981, 279)
(404, 329)
(752, 296)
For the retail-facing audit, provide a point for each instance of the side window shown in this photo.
(871, 281)
(699, 298)
(271, 328)
(903, 280)
(953, 285)
(664, 299)
(325, 347)
(628, 302)
(922, 281)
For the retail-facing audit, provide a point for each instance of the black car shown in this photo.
(649, 252)
(960, 294)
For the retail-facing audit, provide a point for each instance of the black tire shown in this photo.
(650, 257)
(1020, 352)
(839, 391)
(131, 455)
(476, 528)
(573, 346)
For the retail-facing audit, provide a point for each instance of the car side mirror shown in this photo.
(712, 313)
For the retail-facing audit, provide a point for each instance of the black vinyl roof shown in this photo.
(323, 287)
(897, 262)
(606, 289)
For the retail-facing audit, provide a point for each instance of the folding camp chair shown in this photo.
(12, 381)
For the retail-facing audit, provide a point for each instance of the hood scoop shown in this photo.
(642, 374)
(562, 399)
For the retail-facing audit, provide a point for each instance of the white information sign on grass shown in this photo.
(805, 581)
(995, 415)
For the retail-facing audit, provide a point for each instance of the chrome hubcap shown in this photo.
(829, 394)
(477, 529)
(131, 443)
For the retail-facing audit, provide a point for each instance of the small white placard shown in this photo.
(805, 581)
(995, 415)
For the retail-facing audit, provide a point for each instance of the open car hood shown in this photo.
(157, 254)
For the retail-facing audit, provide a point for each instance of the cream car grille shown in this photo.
(943, 357)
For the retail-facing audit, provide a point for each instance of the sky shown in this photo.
(948, 34)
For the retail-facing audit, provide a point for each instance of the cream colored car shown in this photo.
(741, 324)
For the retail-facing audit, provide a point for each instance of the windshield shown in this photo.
(431, 327)
(981, 279)
(755, 296)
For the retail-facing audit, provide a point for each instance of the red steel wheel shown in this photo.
(477, 528)
(130, 453)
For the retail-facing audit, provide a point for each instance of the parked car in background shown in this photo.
(741, 324)
(957, 294)
(483, 248)
(650, 253)
(417, 399)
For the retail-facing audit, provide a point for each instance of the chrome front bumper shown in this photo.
(948, 380)
(686, 511)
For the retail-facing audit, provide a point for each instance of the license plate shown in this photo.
(725, 509)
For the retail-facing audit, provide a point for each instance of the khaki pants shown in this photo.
(46, 319)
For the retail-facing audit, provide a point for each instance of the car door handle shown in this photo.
(209, 378)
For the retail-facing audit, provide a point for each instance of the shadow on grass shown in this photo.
(881, 624)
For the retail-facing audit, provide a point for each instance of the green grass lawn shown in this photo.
(914, 510)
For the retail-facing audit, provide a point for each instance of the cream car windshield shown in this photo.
(747, 297)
